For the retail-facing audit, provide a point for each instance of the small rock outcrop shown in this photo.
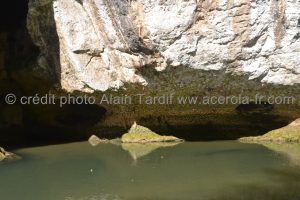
(290, 133)
(7, 156)
(94, 140)
(140, 134)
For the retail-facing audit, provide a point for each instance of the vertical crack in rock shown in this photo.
(239, 11)
(112, 11)
(96, 26)
(278, 8)
(136, 14)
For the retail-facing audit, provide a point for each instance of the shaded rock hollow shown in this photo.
(181, 47)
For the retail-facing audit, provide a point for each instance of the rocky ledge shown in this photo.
(290, 133)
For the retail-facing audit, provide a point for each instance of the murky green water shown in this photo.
(212, 170)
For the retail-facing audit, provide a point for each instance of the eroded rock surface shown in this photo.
(185, 48)
(104, 44)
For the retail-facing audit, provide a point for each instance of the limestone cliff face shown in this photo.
(96, 45)
(180, 47)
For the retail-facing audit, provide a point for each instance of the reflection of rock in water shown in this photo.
(137, 150)
(292, 150)
(96, 197)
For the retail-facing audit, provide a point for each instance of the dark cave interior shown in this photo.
(13, 14)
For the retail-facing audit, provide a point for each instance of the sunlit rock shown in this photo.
(140, 134)
(186, 48)
(103, 44)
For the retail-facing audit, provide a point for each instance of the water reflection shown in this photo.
(137, 151)
(291, 150)
(200, 170)
(95, 197)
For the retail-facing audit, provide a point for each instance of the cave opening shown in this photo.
(41, 125)
(18, 57)
(80, 115)
(71, 122)
(238, 121)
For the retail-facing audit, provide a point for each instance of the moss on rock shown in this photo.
(290, 133)
(140, 134)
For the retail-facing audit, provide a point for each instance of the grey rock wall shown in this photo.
(96, 45)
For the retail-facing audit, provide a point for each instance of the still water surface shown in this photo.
(198, 170)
